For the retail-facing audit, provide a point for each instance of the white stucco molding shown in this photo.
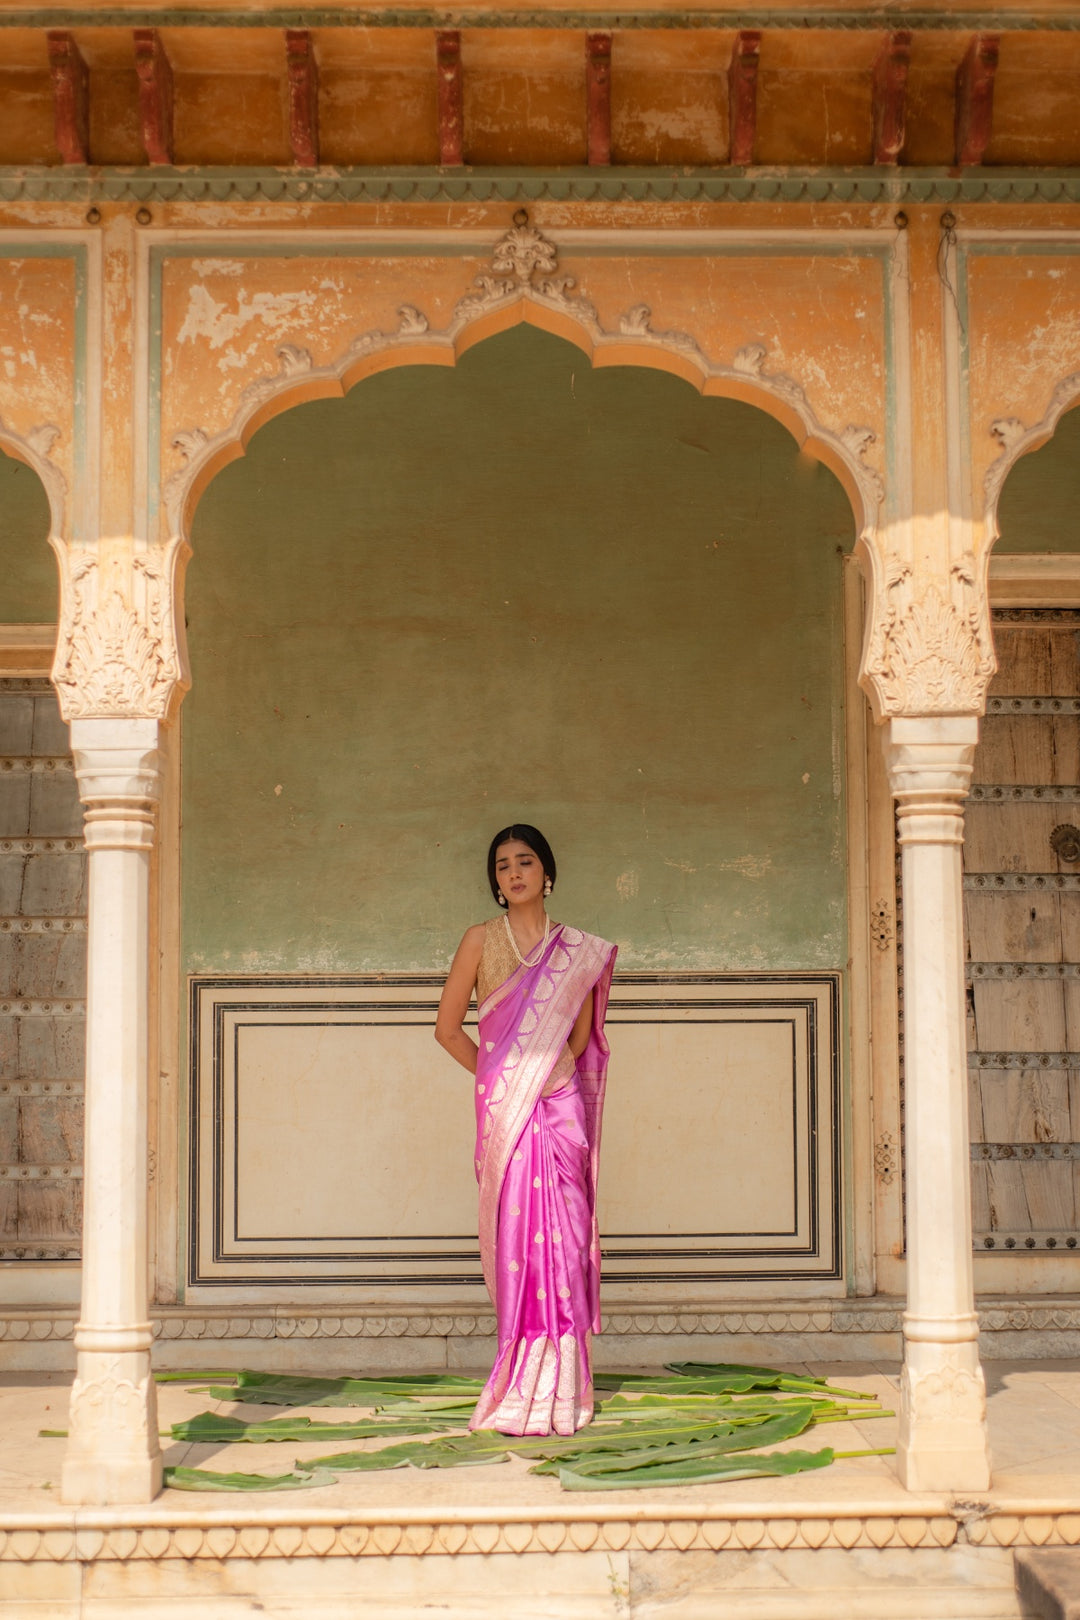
(1017, 440)
(120, 652)
(524, 282)
(34, 449)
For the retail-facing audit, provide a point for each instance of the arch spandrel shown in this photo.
(39, 381)
(524, 279)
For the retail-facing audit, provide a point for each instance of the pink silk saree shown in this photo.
(538, 1118)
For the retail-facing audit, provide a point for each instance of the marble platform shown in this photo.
(847, 1543)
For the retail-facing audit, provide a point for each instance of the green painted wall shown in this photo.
(1039, 508)
(519, 589)
(28, 582)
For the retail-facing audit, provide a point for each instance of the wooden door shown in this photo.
(42, 979)
(1022, 918)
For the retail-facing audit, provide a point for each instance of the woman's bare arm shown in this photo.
(579, 1035)
(457, 993)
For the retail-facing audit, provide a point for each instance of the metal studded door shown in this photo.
(1022, 915)
(42, 979)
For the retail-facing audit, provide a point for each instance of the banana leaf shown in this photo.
(488, 1446)
(768, 1377)
(782, 1425)
(285, 1389)
(204, 1479)
(213, 1428)
(701, 1470)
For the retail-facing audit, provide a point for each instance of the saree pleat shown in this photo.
(538, 1119)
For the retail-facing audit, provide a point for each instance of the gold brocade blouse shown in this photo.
(497, 961)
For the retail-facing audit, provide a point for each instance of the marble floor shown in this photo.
(846, 1541)
(1034, 1423)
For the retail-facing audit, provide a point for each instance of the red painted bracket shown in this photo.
(451, 97)
(890, 96)
(71, 97)
(155, 95)
(975, 98)
(742, 95)
(303, 75)
(598, 98)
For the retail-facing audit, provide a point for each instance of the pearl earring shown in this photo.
(547, 887)
(503, 900)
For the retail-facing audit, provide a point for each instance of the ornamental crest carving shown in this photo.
(931, 650)
(118, 653)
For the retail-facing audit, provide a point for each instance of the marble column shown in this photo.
(943, 1442)
(113, 1455)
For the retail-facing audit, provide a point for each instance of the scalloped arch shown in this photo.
(1018, 441)
(525, 284)
(33, 451)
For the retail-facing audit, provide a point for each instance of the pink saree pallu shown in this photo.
(538, 1117)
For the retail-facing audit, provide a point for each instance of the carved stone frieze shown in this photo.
(930, 648)
(118, 652)
(524, 267)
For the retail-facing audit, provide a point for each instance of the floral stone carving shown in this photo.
(931, 650)
(118, 653)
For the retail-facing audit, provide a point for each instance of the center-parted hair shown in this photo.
(522, 833)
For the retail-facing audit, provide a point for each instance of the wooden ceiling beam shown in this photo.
(71, 97)
(155, 95)
(451, 97)
(303, 75)
(598, 98)
(890, 96)
(742, 95)
(975, 98)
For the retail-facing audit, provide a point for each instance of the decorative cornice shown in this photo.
(616, 184)
(872, 20)
(524, 268)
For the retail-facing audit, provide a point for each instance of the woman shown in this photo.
(541, 991)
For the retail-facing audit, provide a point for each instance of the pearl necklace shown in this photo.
(514, 943)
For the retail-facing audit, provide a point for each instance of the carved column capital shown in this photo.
(120, 649)
(930, 760)
(929, 648)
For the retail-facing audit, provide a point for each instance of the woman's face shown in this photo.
(519, 872)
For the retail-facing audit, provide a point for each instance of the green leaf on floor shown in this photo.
(488, 1446)
(284, 1389)
(204, 1479)
(703, 1469)
(214, 1428)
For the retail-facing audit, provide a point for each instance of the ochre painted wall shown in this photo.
(1039, 509)
(28, 580)
(518, 589)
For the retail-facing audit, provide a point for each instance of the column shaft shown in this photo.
(113, 1454)
(943, 1439)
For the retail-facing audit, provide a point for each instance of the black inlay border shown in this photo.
(631, 1257)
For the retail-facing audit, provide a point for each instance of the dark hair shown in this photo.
(524, 834)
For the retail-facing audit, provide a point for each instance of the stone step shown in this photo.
(1048, 1582)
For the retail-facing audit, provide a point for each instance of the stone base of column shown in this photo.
(111, 1482)
(943, 1443)
(113, 1454)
